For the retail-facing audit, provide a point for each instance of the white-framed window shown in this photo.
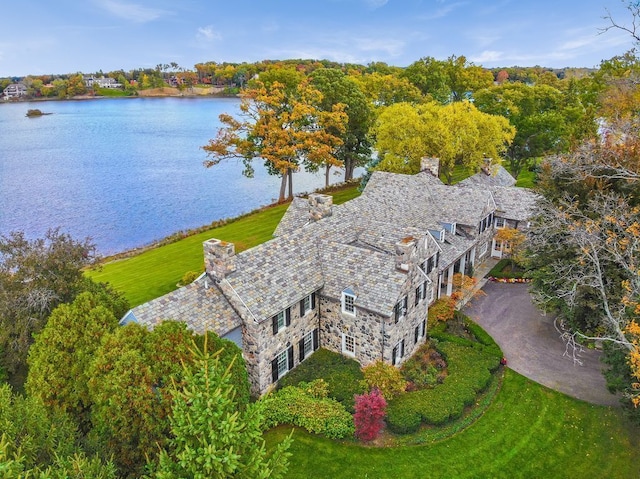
(281, 320)
(419, 331)
(483, 249)
(398, 352)
(307, 304)
(308, 344)
(400, 309)
(348, 345)
(282, 363)
(500, 222)
(431, 295)
(349, 302)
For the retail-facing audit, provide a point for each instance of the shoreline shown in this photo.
(181, 234)
(164, 92)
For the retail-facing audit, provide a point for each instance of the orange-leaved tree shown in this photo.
(283, 125)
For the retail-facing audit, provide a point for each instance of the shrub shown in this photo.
(503, 269)
(298, 406)
(441, 311)
(425, 368)
(469, 366)
(369, 416)
(387, 379)
(342, 375)
(189, 277)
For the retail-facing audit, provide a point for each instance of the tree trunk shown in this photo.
(326, 175)
(290, 175)
(283, 187)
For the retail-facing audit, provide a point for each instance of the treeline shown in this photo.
(234, 76)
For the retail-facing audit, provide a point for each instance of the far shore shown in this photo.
(164, 92)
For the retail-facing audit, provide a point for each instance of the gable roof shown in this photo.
(495, 175)
(199, 304)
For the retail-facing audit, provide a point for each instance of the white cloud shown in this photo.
(387, 45)
(132, 12)
(488, 56)
(376, 3)
(208, 34)
(444, 11)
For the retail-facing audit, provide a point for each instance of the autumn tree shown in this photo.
(210, 435)
(585, 244)
(512, 244)
(282, 125)
(35, 277)
(457, 134)
(340, 91)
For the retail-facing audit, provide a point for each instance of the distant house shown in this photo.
(14, 90)
(102, 82)
(356, 278)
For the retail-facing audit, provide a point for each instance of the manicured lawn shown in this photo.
(529, 431)
(155, 272)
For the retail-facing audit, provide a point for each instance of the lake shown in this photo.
(125, 172)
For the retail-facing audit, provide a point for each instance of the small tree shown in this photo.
(512, 241)
(212, 437)
(384, 378)
(371, 410)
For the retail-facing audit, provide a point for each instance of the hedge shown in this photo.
(497, 271)
(343, 375)
(303, 407)
(469, 373)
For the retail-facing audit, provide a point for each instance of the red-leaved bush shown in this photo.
(371, 410)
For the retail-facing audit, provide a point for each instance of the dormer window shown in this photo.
(348, 302)
(499, 222)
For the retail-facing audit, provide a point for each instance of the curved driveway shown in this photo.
(532, 345)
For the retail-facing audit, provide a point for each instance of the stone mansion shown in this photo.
(356, 278)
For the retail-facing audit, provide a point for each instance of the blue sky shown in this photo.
(64, 36)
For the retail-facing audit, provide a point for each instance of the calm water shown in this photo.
(124, 172)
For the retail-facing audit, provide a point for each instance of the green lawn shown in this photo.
(528, 432)
(156, 271)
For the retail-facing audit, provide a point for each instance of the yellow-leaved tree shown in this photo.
(283, 125)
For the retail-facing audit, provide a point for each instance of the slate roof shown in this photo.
(497, 176)
(275, 275)
(200, 304)
(296, 216)
(371, 275)
(515, 203)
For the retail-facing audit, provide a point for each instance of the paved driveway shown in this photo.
(533, 347)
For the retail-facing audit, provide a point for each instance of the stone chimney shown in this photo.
(430, 165)
(320, 206)
(219, 258)
(486, 166)
(405, 253)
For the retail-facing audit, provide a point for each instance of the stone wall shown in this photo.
(261, 346)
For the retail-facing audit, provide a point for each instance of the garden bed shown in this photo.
(506, 271)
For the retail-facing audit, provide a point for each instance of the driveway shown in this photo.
(532, 346)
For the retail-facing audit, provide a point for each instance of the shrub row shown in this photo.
(484, 342)
(343, 375)
(308, 407)
(469, 373)
(498, 271)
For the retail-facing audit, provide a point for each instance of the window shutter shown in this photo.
(290, 358)
(437, 258)
(274, 370)
(402, 348)
(274, 324)
(302, 308)
(415, 335)
(313, 300)
(394, 353)
(395, 313)
(301, 349)
(316, 339)
(417, 296)
(287, 319)
(424, 327)
(405, 300)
